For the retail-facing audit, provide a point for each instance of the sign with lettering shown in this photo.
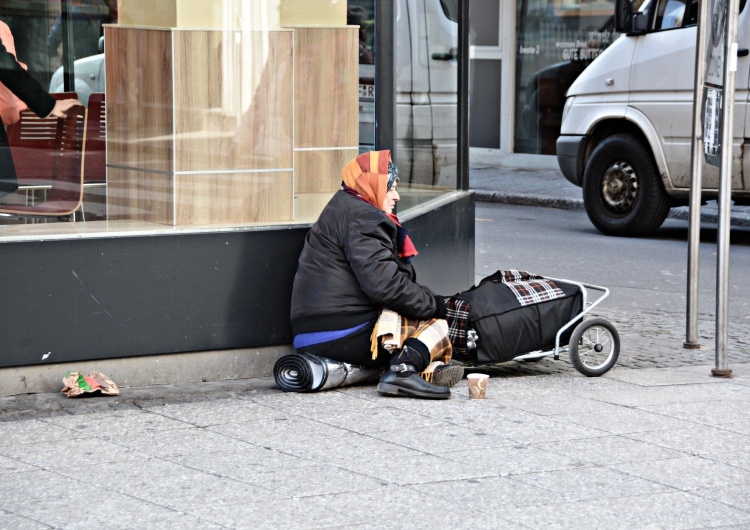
(713, 86)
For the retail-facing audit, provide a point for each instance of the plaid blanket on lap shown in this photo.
(391, 330)
(530, 288)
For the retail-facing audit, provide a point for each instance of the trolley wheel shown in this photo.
(594, 347)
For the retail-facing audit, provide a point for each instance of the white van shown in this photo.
(627, 124)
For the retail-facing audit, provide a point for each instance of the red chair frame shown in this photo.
(48, 152)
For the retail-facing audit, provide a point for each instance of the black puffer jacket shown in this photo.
(349, 269)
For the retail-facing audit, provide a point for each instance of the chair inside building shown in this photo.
(94, 169)
(48, 157)
(94, 202)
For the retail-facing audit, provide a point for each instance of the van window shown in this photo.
(450, 8)
(556, 41)
(671, 14)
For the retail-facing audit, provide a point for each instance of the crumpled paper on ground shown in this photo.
(77, 384)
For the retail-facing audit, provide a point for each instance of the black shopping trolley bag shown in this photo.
(515, 312)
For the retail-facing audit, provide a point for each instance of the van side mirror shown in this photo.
(628, 20)
(101, 44)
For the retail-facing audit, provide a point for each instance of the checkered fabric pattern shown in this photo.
(458, 324)
(530, 288)
(391, 330)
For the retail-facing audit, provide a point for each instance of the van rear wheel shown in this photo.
(622, 192)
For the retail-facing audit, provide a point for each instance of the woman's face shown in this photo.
(391, 198)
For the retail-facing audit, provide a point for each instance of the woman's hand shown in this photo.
(62, 106)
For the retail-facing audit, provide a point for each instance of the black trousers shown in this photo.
(352, 349)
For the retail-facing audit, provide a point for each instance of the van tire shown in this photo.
(622, 192)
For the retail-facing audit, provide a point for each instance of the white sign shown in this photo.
(712, 111)
(715, 42)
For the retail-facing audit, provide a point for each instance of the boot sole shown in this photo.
(393, 390)
(448, 376)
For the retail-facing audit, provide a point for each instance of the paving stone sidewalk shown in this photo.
(645, 448)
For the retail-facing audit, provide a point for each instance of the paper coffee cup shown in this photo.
(477, 385)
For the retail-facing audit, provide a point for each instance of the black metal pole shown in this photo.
(385, 76)
(463, 97)
(69, 78)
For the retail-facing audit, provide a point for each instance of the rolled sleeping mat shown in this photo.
(304, 372)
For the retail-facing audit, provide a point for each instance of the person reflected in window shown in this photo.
(87, 17)
(20, 83)
(355, 279)
(357, 16)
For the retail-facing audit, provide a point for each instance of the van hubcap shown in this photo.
(620, 187)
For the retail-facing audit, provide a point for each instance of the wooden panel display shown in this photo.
(139, 98)
(202, 125)
(326, 83)
(228, 198)
(141, 195)
(320, 171)
(233, 100)
(307, 206)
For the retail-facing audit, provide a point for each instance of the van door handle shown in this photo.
(743, 52)
(450, 55)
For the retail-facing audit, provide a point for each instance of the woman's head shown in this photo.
(391, 190)
(374, 176)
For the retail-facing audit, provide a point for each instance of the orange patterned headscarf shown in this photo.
(368, 175)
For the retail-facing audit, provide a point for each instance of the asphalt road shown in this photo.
(645, 274)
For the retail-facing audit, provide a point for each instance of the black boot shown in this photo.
(403, 380)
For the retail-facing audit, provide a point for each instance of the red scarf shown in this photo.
(405, 246)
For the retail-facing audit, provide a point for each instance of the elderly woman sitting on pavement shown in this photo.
(355, 297)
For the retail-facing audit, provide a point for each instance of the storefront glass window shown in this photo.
(223, 115)
(426, 86)
(557, 39)
(426, 93)
(362, 13)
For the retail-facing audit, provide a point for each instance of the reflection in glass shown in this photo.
(237, 117)
(557, 39)
(427, 94)
(362, 13)
(426, 51)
